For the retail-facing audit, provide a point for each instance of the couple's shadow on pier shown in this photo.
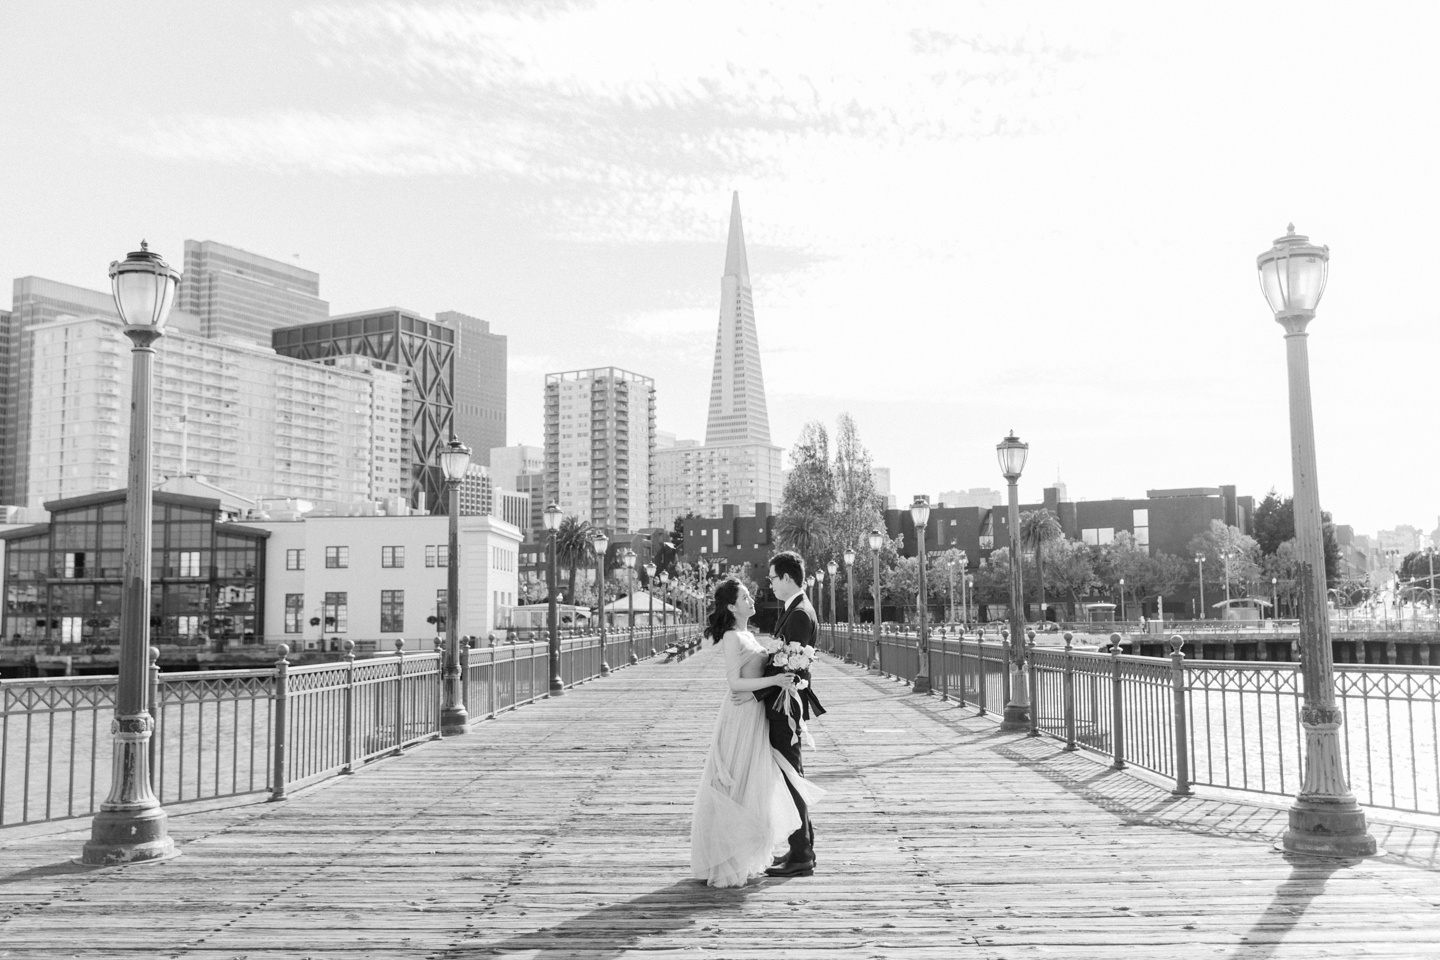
(624, 925)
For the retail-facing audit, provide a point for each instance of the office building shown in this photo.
(508, 463)
(480, 384)
(599, 434)
(242, 294)
(737, 464)
(254, 423)
(403, 342)
(979, 497)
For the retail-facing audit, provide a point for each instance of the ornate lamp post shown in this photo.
(601, 543)
(629, 559)
(1275, 598)
(849, 601)
(1324, 819)
(552, 523)
(1012, 453)
(820, 593)
(831, 570)
(876, 541)
(131, 825)
(1122, 600)
(1200, 559)
(454, 461)
(966, 594)
(650, 592)
(920, 513)
(664, 599)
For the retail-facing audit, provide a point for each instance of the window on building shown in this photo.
(71, 628)
(74, 566)
(442, 555)
(392, 611)
(392, 556)
(1098, 536)
(187, 563)
(1141, 523)
(294, 613)
(294, 559)
(337, 612)
(337, 558)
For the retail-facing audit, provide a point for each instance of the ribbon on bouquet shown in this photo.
(795, 717)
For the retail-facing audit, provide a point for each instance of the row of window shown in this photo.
(334, 616)
(338, 558)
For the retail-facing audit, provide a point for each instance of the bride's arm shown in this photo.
(735, 663)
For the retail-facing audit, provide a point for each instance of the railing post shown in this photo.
(1034, 683)
(1182, 735)
(944, 669)
(282, 696)
(980, 677)
(1069, 692)
(1005, 674)
(1117, 705)
(399, 694)
(152, 696)
(349, 767)
(494, 669)
(960, 664)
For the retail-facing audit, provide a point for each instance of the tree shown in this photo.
(856, 507)
(808, 502)
(1070, 569)
(1037, 528)
(864, 569)
(677, 533)
(1231, 557)
(1274, 524)
(572, 546)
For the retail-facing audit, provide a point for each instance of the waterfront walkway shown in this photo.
(560, 830)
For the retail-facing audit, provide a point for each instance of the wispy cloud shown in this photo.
(633, 116)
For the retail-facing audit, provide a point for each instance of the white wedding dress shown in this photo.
(743, 811)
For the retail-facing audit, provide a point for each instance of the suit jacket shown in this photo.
(797, 624)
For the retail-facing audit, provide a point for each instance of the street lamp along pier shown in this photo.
(131, 825)
(454, 720)
(1324, 819)
(1011, 453)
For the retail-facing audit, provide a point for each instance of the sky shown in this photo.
(962, 218)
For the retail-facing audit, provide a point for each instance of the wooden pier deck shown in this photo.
(560, 830)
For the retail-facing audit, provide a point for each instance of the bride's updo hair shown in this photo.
(721, 619)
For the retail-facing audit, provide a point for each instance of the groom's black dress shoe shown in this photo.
(796, 868)
(785, 856)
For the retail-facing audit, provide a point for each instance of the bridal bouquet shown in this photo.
(799, 704)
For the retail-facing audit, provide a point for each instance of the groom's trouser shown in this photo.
(802, 841)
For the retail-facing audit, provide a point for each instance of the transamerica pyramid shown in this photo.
(737, 388)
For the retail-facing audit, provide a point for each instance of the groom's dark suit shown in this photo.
(796, 625)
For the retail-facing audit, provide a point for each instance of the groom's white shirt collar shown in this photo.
(799, 595)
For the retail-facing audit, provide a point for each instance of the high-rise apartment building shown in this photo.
(244, 294)
(737, 464)
(35, 301)
(480, 384)
(980, 497)
(403, 342)
(254, 423)
(599, 436)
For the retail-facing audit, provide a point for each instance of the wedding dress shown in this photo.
(743, 810)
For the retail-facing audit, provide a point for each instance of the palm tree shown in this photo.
(1037, 528)
(805, 533)
(572, 546)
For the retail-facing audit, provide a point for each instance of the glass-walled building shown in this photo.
(62, 579)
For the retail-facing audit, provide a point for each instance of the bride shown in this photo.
(743, 810)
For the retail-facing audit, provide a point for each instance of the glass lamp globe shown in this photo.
(552, 517)
(143, 286)
(849, 556)
(601, 543)
(1012, 453)
(920, 512)
(630, 559)
(832, 568)
(454, 460)
(1293, 274)
(876, 541)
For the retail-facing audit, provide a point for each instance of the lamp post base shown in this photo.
(557, 687)
(1328, 829)
(128, 836)
(1017, 717)
(604, 669)
(454, 722)
(921, 684)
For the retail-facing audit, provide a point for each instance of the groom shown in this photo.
(795, 625)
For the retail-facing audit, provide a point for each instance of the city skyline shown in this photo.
(963, 224)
